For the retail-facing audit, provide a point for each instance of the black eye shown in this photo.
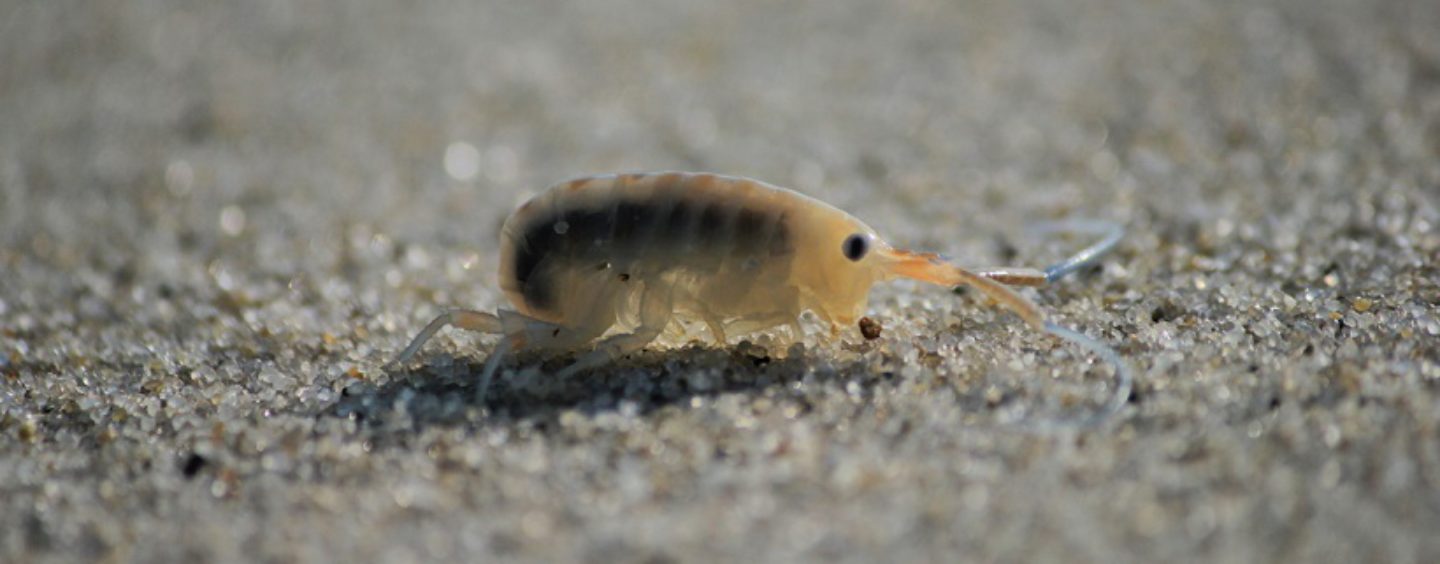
(856, 246)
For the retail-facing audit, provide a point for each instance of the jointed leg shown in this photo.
(760, 322)
(784, 311)
(655, 312)
(717, 328)
(523, 331)
(490, 367)
(469, 320)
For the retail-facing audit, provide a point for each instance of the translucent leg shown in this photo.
(468, 320)
(490, 367)
(760, 322)
(534, 334)
(717, 329)
(517, 328)
(765, 321)
(655, 313)
(522, 331)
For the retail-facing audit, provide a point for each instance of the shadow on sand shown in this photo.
(445, 390)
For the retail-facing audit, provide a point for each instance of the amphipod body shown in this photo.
(734, 253)
(631, 254)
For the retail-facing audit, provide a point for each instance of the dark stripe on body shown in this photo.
(540, 240)
(671, 227)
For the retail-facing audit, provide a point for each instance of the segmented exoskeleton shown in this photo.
(629, 254)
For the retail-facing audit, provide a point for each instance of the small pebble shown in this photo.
(870, 328)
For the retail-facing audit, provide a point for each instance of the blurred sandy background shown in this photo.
(217, 220)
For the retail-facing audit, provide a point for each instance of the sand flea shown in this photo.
(607, 263)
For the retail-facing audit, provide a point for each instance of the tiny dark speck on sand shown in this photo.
(870, 329)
